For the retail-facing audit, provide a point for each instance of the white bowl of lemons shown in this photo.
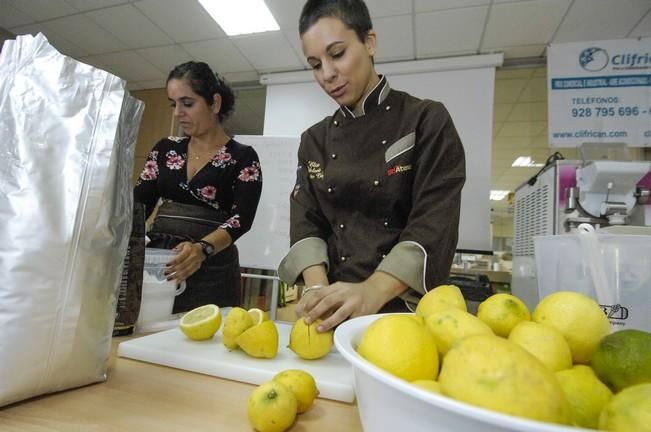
(388, 402)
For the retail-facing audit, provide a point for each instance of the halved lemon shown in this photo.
(258, 315)
(201, 323)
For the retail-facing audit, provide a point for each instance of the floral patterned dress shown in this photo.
(225, 191)
(231, 181)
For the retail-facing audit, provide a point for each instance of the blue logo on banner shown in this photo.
(593, 59)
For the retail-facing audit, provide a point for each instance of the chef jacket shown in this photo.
(378, 190)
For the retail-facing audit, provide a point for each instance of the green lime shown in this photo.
(623, 359)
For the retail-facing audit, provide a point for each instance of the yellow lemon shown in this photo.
(502, 312)
(452, 325)
(579, 319)
(302, 384)
(623, 359)
(260, 341)
(441, 298)
(430, 385)
(491, 372)
(258, 315)
(307, 343)
(546, 344)
(586, 395)
(401, 346)
(237, 321)
(628, 411)
(272, 407)
(201, 323)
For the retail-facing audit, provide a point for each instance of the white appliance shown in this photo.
(608, 194)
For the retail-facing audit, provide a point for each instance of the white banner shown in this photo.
(600, 92)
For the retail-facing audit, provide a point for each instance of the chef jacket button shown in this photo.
(384, 256)
(331, 189)
(333, 156)
(386, 223)
(384, 142)
(342, 226)
(343, 258)
(336, 123)
(376, 182)
(388, 107)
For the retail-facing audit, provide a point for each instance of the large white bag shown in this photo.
(67, 138)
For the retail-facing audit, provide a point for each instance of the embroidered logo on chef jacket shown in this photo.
(398, 169)
(402, 146)
(314, 170)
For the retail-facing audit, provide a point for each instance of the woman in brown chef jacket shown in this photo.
(375, 209)
(209, 185)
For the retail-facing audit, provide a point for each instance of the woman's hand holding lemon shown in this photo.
(342, 300)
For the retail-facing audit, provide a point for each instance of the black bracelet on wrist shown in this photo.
(207, 248)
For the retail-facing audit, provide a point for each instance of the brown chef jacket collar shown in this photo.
(374, 98)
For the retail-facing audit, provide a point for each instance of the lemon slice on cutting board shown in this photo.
(258, 315)
(201, 323)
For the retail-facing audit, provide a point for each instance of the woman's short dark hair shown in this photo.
(353, 13)
(206, 83)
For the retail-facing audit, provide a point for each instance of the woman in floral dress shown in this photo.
(208, 187)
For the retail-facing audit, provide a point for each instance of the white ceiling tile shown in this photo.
(643, 29)
(513, 73)
(130, 26)
(382, 8)
(529, 111)
(295, 41)
(512, 145)
(529, 23)
(286, 12)
(394, 38)
(449, 31)
(616, 19)
(242, 77)
(41, 10)
(86, 5)
(522, 129)
(501, 112)
(540, 143)
(523, 51)
(183, 21)
(269, 51)
(432, 5)
(535, 91)
(508, 91)
(150, 84)
(222, 56)
(84, 32)
(540, 72)
(130, 66)
(165, 57)
(62, 44)
(131, 86)
(12, 17)
(94, 61)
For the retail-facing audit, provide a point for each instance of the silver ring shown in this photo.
(311, 288)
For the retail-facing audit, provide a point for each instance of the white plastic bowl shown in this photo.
(388, 403)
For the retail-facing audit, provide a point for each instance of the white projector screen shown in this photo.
(295, 102)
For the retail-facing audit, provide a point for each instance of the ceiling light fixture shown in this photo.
(237, 17)
(525, 162)
(499, 195)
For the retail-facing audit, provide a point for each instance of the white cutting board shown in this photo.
(333, 374)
